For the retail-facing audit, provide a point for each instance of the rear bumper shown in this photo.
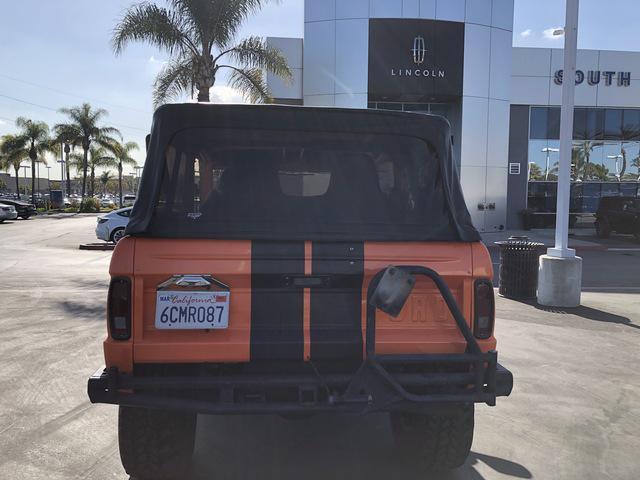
(381, 383)
(373, 388)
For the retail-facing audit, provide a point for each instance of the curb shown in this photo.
(104, 246)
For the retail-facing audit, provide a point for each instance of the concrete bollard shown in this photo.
(559, 281)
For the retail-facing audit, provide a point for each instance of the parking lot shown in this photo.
(574, 412)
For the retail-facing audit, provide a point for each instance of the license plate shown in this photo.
(192, 310)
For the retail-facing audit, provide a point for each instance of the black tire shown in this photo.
(156, 444)
(603, 228)
(117, 235)
(25, 217)
(438, 441)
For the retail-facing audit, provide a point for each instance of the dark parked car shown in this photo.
(619, 215)
(24, 209)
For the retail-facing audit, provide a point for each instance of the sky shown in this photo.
(57, 54)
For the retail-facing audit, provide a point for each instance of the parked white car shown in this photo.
(106, 202)
(128, 200)
(7, 212)
(110, 227)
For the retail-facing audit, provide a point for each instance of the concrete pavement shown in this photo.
(574, 412)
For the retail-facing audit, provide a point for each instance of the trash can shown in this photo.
(519, 267)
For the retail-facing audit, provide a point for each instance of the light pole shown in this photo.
(548, 150)
(560, 273)
(616, 158)
(67, 150)
(137, 178)
(25, 180)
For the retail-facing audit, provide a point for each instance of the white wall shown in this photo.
(485, 110)
(292, 49)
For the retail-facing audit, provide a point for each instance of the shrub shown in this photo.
(90, 205)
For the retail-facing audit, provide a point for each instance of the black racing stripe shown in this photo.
(336, 325)
(276, 309)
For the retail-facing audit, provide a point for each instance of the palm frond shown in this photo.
(253, 52)
(175, 79)
(156, 26)
(250, 83)
(226, 18)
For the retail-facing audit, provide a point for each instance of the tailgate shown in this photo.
(298, 300)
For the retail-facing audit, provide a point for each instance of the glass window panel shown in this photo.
(390, 106)
(612, 161)
(629, 189)
(538, 160)
(580, 124)
(590, 197)
(610, 189)
(595, 124)
(631, 152)
(538, 123)
(586, 158)
(631, 125)
(416, 107)
(613, 124)
(553, 123)
(439, 109)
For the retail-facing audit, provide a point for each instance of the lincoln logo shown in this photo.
(419, 50)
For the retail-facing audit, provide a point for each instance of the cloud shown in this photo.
(548, 34)
(155, 66)
(225, 94)
(526, 33)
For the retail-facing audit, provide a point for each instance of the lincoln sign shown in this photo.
(415, 60)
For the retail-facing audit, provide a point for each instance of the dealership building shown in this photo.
(455, 58)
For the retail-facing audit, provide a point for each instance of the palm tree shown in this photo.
(105, 178)
(122, 156)
(535, 172)
(199, 37)
(64, 136)
(628, 134)
(581, 157)
(37, 143)
(12, 154)
(636, 163)
(97, 158)
(83, 129)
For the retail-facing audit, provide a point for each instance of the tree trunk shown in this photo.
(203, 94)
(92, 182)
(84, 174)
(68, 177)
(33, 178)
(120, 182)
(18, 182)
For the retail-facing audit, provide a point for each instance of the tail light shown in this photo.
(484, 309)
(119, 308)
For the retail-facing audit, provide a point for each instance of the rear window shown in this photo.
(275, 184)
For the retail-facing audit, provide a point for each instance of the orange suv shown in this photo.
(292, 260)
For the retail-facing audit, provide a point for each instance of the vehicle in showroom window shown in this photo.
(293, 261)
(620, 215)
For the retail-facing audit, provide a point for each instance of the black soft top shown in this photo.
(171, 119)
